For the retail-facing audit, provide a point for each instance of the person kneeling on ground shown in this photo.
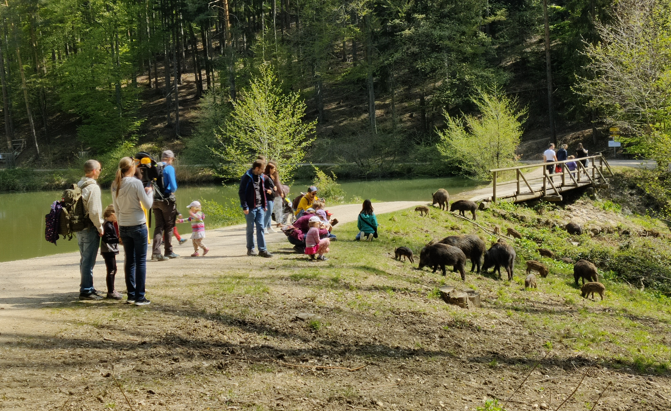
(367, 223)
(296, 233)
(306, 202)
(313, 244)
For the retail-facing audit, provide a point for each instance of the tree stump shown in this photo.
(464, 299)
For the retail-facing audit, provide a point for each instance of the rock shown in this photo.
(544, 406)
(307, 316)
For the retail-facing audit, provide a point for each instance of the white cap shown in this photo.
(194, 204)
(314, 219)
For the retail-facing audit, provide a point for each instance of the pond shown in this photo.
(22, 214)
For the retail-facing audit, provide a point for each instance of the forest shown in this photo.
(376, 75)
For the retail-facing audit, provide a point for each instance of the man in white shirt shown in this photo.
(89, 238)
(549, 156)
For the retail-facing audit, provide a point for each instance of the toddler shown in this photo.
(109, 249)
(196, 218)
(367, 223)
(313, 245)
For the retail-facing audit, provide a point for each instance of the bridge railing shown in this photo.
(590, 174)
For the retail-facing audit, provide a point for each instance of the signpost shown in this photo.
(614, 133)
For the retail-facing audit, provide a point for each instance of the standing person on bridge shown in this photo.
(562, 155)
(88, 239)
(165, 211)
(254, 202)
(128, 197)
(581, 152)
(549, 156)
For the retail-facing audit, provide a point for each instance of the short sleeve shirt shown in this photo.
(549, 155)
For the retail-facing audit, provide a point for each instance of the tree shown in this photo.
(264, 121)
(480, 143)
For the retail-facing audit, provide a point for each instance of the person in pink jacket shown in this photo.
(314, 245)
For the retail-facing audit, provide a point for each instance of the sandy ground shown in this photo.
(27, 285)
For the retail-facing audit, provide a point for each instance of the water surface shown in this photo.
(22, 214)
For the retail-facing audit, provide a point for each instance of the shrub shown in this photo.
(220, 215)
(329, 189)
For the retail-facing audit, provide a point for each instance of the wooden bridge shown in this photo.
(536, 182)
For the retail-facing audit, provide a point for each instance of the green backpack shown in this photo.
(74, 216)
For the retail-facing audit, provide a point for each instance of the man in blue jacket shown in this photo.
(165, 211)
(254, 204)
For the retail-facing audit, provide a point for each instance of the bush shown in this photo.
(329, 189)
(220, 215)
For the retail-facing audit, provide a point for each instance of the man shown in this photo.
(89, 238)
(254, 204)
(306, 201)
(165, 211)
(549, 156)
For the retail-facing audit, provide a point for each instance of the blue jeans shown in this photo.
(267, 219)
(135, 265)
(88, 241)
(255, 216)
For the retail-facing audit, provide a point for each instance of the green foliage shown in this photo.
(264, 121)
(479, 144)
(491, 405)
(214, 110)
(329, 189)
(219, 215)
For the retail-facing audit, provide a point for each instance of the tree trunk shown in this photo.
(392, 89)
(25, 97)
(548, 64)
(166, 69)
(203, 34)
(196, 64)
(369, 81)
(175, 42)
(5, 103)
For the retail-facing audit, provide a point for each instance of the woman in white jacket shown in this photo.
(127, 195)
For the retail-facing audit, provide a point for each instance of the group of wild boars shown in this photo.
(585, 270)
(442, 198)
(464, 205)
(500, 254)
(591, 288)
(440, 255)
(472, 246)
(423, 210)
(537, 266)
(404, 252)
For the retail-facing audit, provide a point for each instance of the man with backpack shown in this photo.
(165, 211)
(88, 238)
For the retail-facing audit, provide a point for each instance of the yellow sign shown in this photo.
(614, 130)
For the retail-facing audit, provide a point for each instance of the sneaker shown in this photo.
(322, 258)
(251, 253)
(159, 257)
(130, 301)
(207, 250)
(312, 257)
(172, 255)
(195, 254)
(90, 296)
(265, 231)
(182, 241)
(142, 301)
(265, 254)
(113, 296)
(299, 249)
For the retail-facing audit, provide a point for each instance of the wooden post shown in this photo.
(563, 174)
(518, 181)
(545, 174)
(494, 187)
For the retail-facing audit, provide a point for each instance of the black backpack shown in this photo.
(152, 174)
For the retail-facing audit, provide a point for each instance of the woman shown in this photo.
(280, 194)
(271, 190)
(128, 197)
(581, 153)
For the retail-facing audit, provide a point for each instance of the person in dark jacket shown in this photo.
(109, 250)
(254, 204)
(581, 152)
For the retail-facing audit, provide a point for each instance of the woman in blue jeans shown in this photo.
(127, 195)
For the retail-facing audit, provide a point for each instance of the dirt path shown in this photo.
(27, 285)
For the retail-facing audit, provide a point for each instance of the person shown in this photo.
(109, 249)
(165, 211)
(128, 198)
(296, 233)
(88, 239)
(549, 156)
(279, 194)
(175, 233)
(271, 190)
(562, 155)
(324, 217)
(571, 165)
(253, 201)
(306, 202)
(581, 152)
(197, 219)
(313, 244)
(367, 222)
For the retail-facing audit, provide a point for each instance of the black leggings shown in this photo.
(110, 263)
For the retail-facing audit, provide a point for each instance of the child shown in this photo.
(109, 249)
(175, 233)
(313, 245)
(367, 223)
(571, 165)
(197, 226)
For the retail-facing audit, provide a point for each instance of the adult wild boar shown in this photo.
(585, 270)
(472, 246)
(441, 255)
(500, 254)
(442, 198)
(464, 205)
